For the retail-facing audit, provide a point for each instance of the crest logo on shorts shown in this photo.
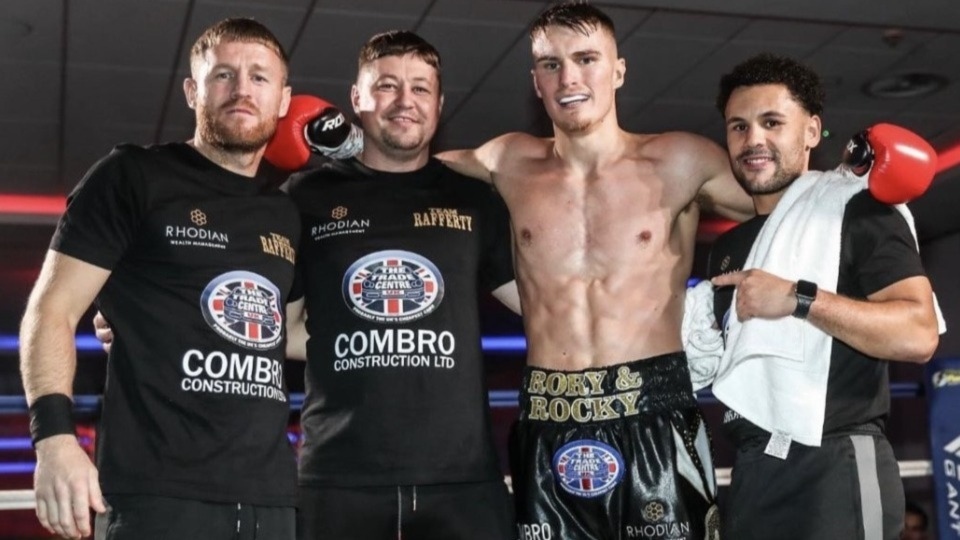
(393, 287)
(654, 511)
(244, 308)
(587, 468)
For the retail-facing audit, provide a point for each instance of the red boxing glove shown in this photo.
(900, 162)
(312, 125)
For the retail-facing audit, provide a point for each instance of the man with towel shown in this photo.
(814, 296)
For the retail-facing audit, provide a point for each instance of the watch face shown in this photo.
(807, 289)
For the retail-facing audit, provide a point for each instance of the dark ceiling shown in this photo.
(82, 76)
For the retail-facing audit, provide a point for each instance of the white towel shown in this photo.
(774, 372)
(702, 340)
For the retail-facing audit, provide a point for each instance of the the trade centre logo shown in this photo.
(244, 308)
(587, 468)
(393, 287)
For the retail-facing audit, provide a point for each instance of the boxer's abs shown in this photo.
(574, 324)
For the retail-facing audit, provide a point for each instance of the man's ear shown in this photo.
(190, 92)
(620, 71)
(285, 101)
(355, 99)
(814, 132)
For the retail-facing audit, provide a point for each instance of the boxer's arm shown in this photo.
(467, 162)
(65, 480)
(297, 330)
(509, 296)
(720, 192)
(483, 162)
(312, 125)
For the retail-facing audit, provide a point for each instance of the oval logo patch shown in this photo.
(393, 287)
(587, 468)
(244, 308)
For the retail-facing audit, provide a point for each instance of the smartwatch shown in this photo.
(806, 292)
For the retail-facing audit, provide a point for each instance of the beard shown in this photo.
(404, 142)
(573, 126)
(778, 181)
(234, 139)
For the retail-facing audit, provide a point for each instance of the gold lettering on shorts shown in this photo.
(550, 393)
(627, 380)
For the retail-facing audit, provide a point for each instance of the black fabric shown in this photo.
(611, 470)
(472, 511)
(935, 211)
(390, 267)
(195, 404)
(145, 517)
(51, 414)
(787, 499)
(729, 252)
(877, 250)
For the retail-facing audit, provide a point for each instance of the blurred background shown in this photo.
(84, 75)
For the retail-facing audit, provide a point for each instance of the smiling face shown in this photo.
(237, 89)
(769, 138)
(398, 101)
(576, 75)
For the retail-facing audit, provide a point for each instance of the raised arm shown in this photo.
(720, 192)
(484, 162)
(66, 482)
(467, 162)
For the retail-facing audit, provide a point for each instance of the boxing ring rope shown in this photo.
(86, 404)
(23, 499)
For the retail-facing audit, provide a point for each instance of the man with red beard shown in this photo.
(189, 250)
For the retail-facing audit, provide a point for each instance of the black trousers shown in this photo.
(469, 511)
(149, 517)
(849, 488)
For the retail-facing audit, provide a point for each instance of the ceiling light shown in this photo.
(905, 85)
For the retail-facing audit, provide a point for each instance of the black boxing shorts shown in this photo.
(618, 452)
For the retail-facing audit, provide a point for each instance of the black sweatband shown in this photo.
(51, 414)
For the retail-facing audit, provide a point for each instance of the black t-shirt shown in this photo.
(391, 264)
(876, 251)
(201, 261)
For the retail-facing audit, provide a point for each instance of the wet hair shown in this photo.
(242, 30)
(802, 81)
(577, 16)
(398, 43)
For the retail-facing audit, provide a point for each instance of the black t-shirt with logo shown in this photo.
(876, 251)
(391, 265)
(201, 262)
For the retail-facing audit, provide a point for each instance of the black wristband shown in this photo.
(806, 293)
(51, 414)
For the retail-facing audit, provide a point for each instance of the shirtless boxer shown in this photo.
(610, 442)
